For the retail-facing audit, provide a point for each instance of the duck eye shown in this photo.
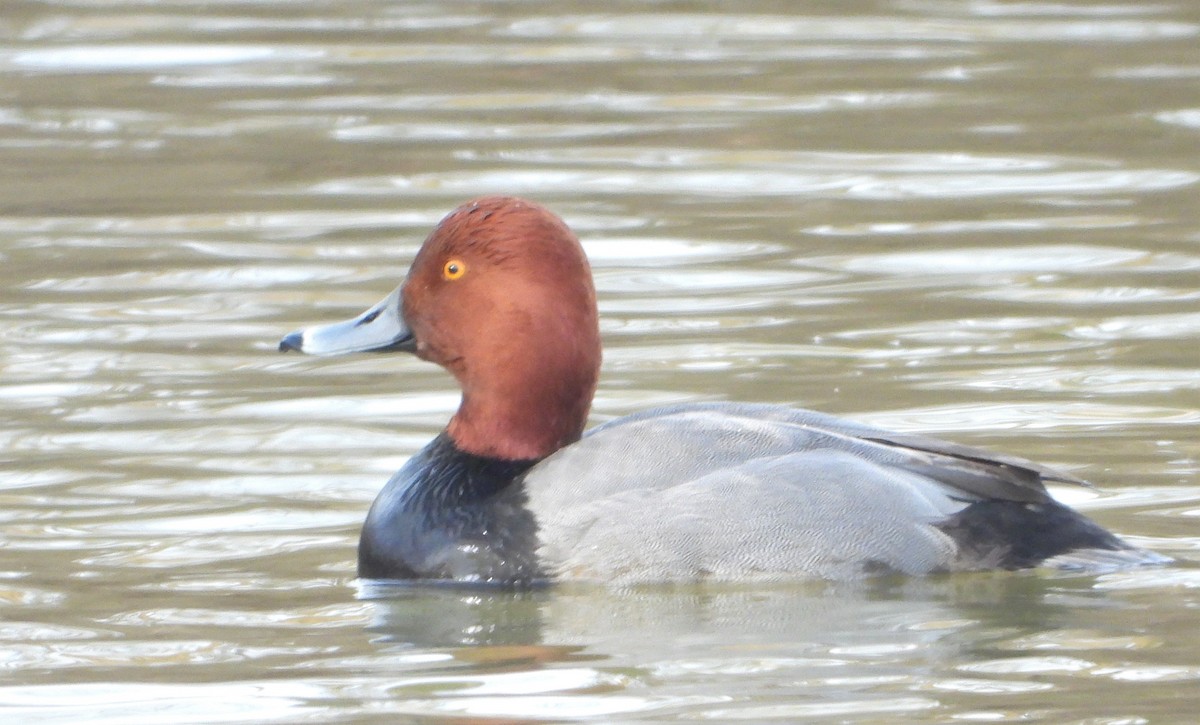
(454, 269)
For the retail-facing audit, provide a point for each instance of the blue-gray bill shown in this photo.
(381, 328)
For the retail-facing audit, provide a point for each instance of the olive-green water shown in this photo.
(976, 220)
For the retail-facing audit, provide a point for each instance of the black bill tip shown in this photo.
(292, 341)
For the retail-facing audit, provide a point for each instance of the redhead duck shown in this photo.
(514, 492)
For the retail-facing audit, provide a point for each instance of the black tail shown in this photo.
(997, 534)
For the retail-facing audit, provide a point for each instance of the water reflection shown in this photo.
(1103, 25)
(843, 648)
(730, 182)
(139, 58)
(431, 616)
(887, 613)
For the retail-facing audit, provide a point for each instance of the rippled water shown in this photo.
(976, 220)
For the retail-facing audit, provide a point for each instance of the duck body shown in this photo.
(724, 492)
(514, 493)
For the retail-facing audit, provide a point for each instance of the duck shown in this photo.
(515, 492)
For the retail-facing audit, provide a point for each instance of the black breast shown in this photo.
(451, 515)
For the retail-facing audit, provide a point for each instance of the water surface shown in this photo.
(973, 220)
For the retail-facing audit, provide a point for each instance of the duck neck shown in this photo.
(524, 423)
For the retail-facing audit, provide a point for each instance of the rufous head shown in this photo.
(500, 294)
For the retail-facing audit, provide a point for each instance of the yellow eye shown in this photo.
(454, 269)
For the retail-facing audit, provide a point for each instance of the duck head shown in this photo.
(501, 295)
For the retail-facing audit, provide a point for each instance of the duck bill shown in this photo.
(380, 329)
